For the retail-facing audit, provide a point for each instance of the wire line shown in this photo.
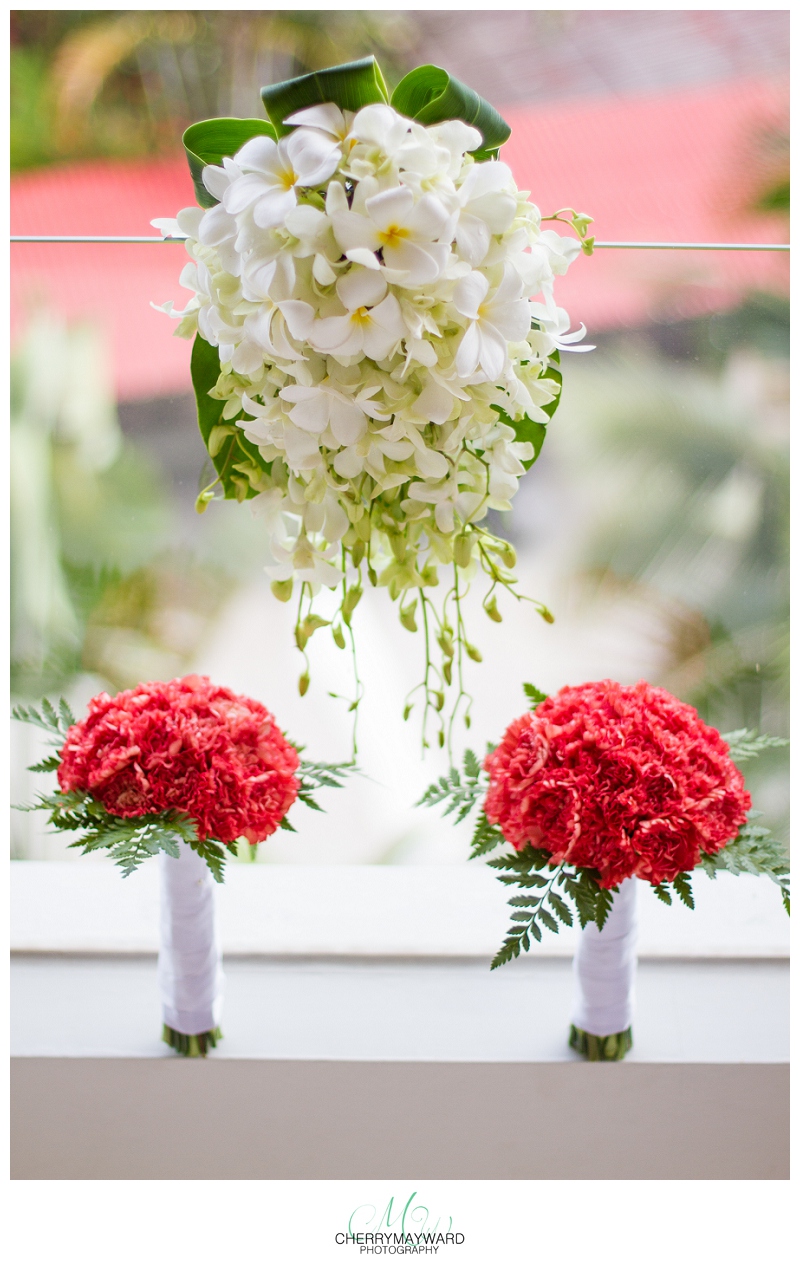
(117, 238)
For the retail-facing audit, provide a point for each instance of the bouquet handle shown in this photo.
(604, 971)
(189, 961)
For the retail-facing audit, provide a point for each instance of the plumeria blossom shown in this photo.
(383, 307)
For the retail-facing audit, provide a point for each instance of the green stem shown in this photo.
(196, 1046)
(600, 1049)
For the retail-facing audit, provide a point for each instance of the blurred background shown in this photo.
(655, 523)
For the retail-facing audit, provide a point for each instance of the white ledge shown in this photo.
(366, 911)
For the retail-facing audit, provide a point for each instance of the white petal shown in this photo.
(216, 226)
(472, 238)
(313, 156)
(331, 334)
(428, 218)
(299, 317)
(216, 180)
(360, 287)
(242, 193)
(329, 118)
(301, 448)
(361, 256)
(513, 321)
(434, 403)
(469, 294)
(259, 154)
(388, 315)
(348, 423)
(415, 264)
(468, 352)
(493, 350)
(273, 206)
(348, 463)
(391, 207)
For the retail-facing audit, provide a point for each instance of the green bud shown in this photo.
(447, 671)
(338, 637)
(205, 497)
(441, 740)
(303, 682)
(364, 528)
(508, 555)
(406, 712)
(546, 614)
(282, 590)
(473, 652)
(407, 616)
(439, 699)
(350, 601)
(581, 222)
(445, 641)
(467, 721)
(217, 437)
(587, 246)
(491, 609)
(357, 552)
(462, 550)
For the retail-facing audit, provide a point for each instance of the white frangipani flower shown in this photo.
(405, 232)
(373, 324)
(273, 171)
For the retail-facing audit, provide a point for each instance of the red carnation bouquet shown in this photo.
(165, 763)
(603, 782)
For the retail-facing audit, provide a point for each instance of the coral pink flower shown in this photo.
(624, 780)
(185, 745)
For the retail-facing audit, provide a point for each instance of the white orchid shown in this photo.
(494, 320)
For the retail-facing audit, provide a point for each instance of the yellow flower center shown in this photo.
(288, 178)
(393, 235)
(360, 317)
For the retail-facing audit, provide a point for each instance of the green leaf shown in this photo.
(550, 922)
(235, 448)
(602, 906)
(560, 908)
(682, 886)
(535, 697)
(349, 86)
(662, 891)
(554, 373)
(50, 764)
(746, 743)
(525, 429)
(430, 95)
(754, 851)
(212, 140)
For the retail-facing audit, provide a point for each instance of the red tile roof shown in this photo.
(668, 166)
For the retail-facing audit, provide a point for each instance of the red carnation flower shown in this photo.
(185, 745)
(624, 780)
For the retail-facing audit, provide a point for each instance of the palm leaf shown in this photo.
(431, 95)
(212, 140)
(349, 86)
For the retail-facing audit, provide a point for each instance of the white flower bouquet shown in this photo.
(369, 368)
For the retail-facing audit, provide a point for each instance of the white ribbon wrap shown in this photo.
(190, 959)
(604, 969)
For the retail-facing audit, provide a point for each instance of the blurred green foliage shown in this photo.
(122, 83)
(98, 584)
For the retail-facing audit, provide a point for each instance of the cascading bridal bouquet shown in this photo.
(596, 786)
(184, 771)
(368, 366)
